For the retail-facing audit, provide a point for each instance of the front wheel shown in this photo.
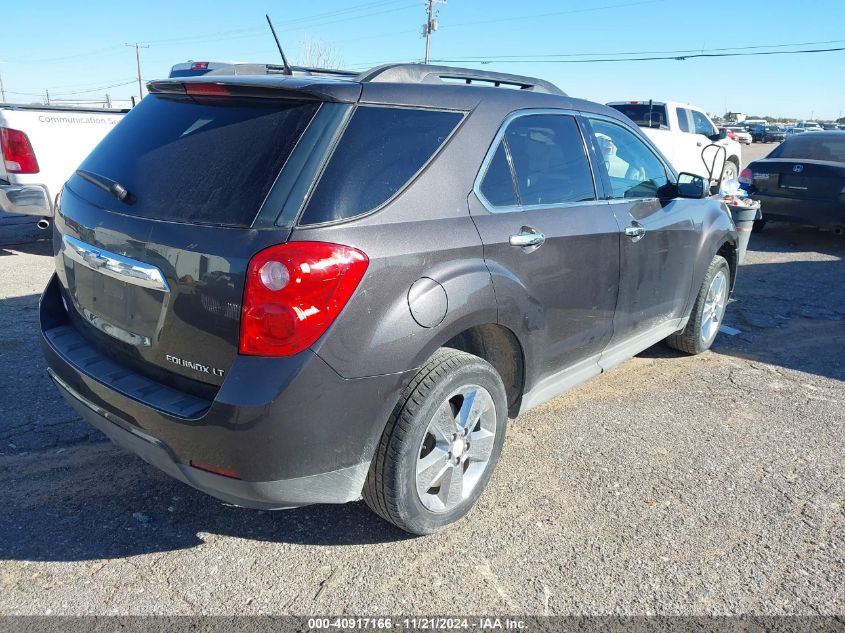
(707, 312)
(440, 445)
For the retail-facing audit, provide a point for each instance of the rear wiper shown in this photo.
(108, 185)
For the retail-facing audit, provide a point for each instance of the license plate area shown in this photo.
(115, 294)
(794, 181)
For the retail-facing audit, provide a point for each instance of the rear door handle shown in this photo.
(635, 232)
(528, 238)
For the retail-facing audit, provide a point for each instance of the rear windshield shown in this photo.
(644, 115)
(201, 160)
(812, 147)
(380, 151)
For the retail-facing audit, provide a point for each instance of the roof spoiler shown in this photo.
(426, 73)
(259, 86)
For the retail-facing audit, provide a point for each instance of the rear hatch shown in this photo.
(798, 178)
(156, 229)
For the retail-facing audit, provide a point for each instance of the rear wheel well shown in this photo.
(728, 251)
(499, 347)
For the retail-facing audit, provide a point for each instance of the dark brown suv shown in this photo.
(285, 290)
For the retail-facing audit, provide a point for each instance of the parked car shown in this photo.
(293, 290)
(681, 131)
(802, 180)
(40, 147)
(741, 134)
(809, 126)
(749, 124)
(768, 134)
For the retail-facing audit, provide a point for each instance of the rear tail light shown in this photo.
(17, 152)
(746, 176)
(731, 135)
(294, 292)
(199, 66)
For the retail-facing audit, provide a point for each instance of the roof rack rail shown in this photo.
(426, 73)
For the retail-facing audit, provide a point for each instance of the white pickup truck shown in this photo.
(681, 131)
(41, 146)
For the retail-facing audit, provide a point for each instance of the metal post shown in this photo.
(430, 24)
(138, 48)
(429, 11)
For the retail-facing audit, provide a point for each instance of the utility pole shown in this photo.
(138, 48)
(47, 92)
(2, 91)
(430, 25)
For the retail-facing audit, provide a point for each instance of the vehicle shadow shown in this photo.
(97, 502)
(790, 313)
(41, 246)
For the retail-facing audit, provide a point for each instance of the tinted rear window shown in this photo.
(380, 151)
(643, 115)
(812, 147)
(203, 160)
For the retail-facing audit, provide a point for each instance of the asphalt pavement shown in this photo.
(670, 485)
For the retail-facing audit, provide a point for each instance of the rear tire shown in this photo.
(441, 444)
(707, 312)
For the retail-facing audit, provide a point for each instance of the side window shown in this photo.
(702, 124)
(683, 119)
(632, 168)
(380, 151)
(550, 164)
(498, 185)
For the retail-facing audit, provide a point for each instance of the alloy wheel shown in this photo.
(714, 306)
(456, 448)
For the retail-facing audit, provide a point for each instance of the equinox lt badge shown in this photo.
(195, 366)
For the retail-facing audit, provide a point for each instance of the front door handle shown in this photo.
(635, 232)
(528, 238)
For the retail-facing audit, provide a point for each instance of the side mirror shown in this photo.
(718, 135)
(691, 186)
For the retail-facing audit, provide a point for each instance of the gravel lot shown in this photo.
(671, 485)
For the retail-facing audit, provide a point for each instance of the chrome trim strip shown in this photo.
(113, 265)
(491, 152)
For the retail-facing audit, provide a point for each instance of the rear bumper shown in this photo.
(292, 429)
(337, 486)
(26, 200)
(819, 212)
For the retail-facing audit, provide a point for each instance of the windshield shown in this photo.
(644, 115)
(204, 160)
(813, 147)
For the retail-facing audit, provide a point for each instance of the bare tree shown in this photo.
(319, 54)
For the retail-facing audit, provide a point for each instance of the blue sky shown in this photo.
(76, 49)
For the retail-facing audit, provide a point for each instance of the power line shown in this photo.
(618, 53)
(98, 89)
(640, 59)
(556, 13)
(292, 25)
